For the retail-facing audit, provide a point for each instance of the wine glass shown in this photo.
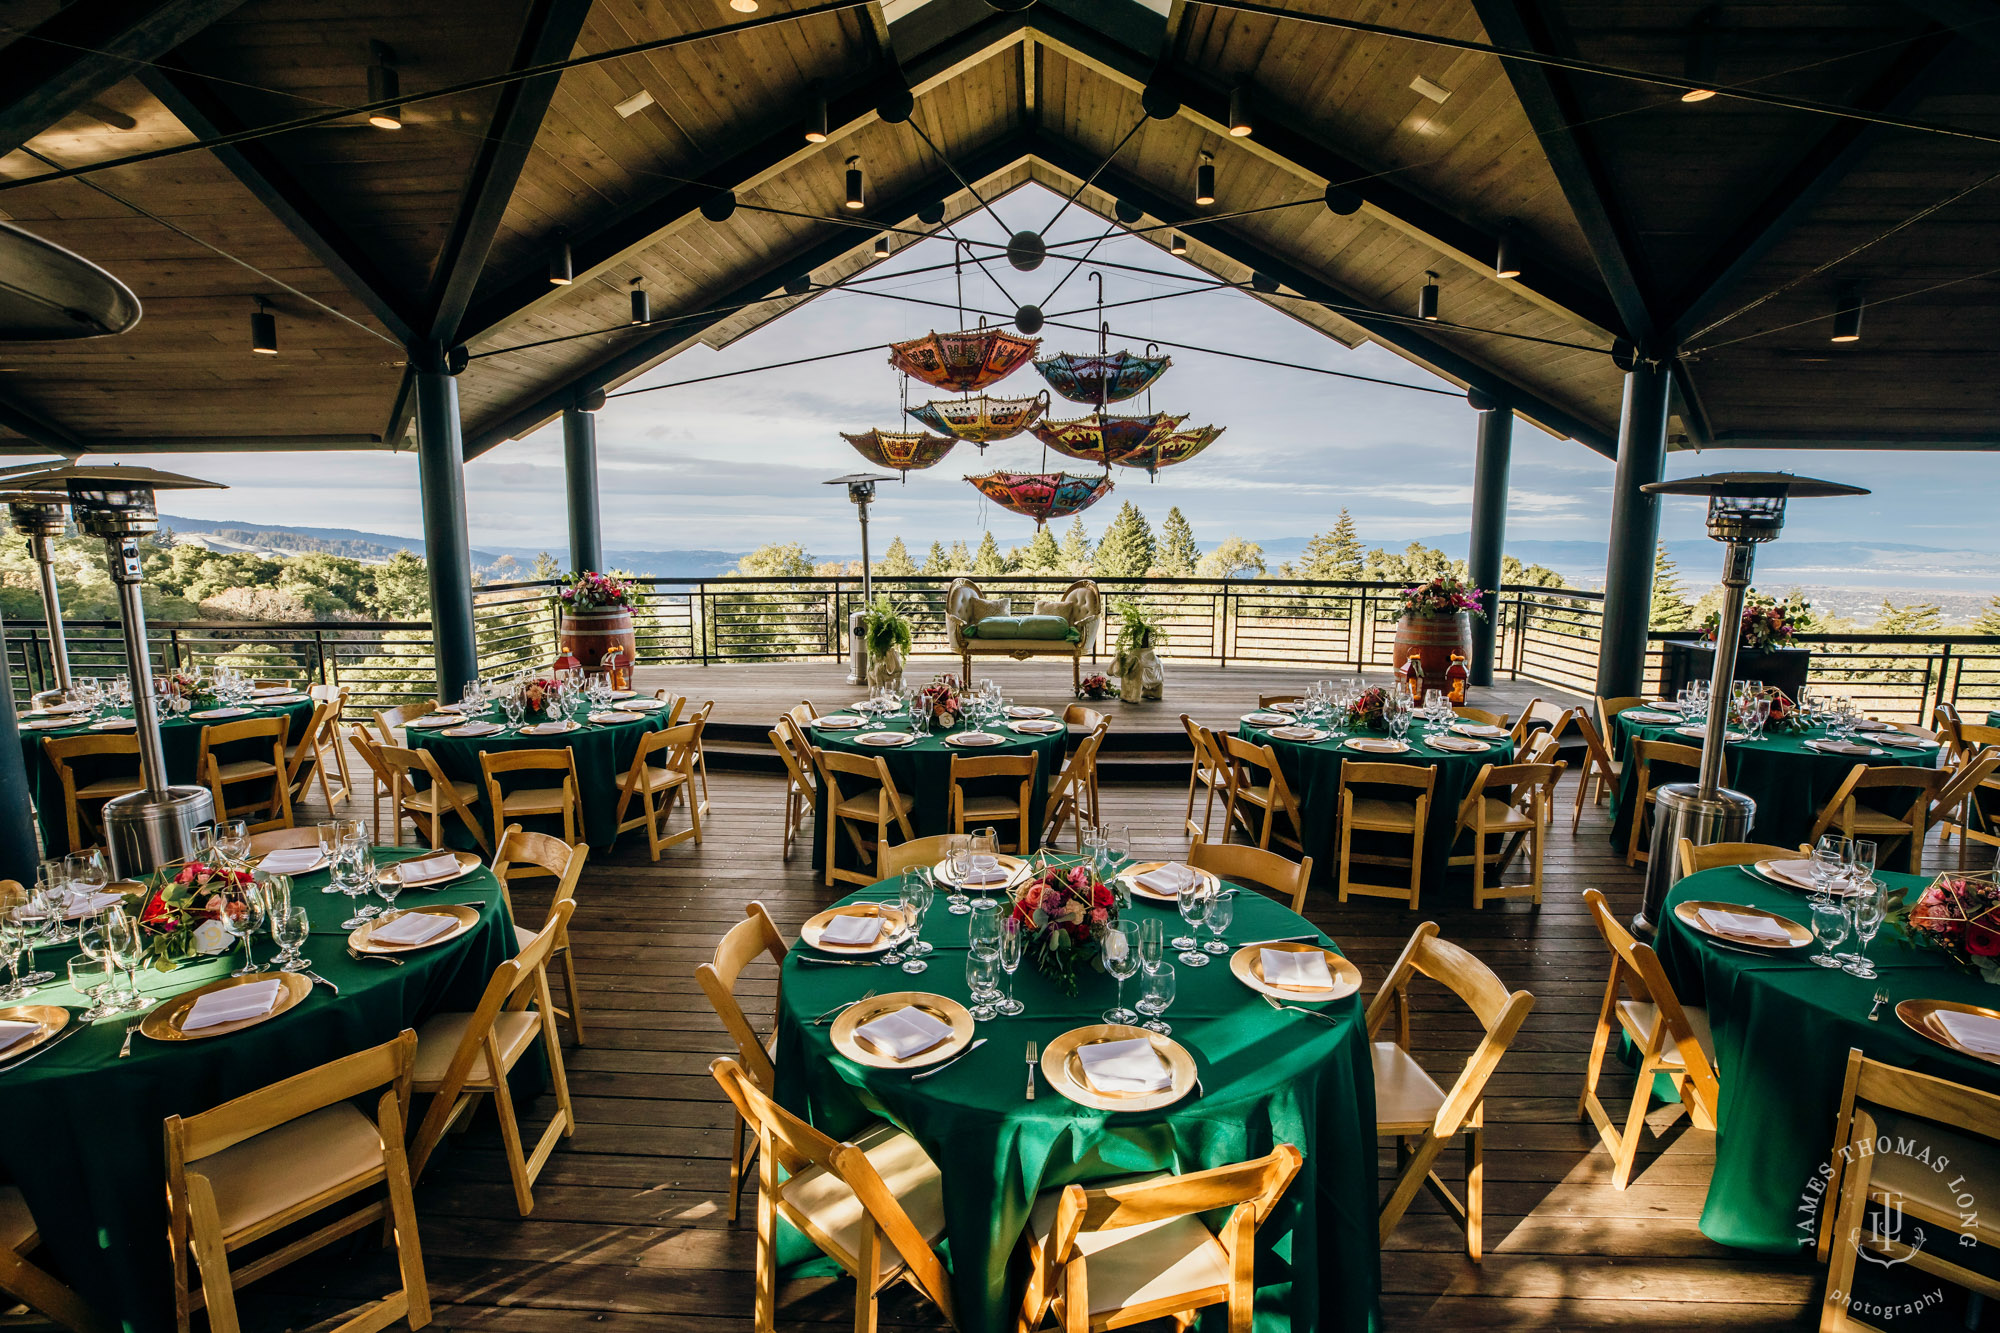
(90, 977)
(13, 943)
(1152, 943)
(981, 980)
(290, 926)
(87, 872)
(1221, 910)
(52, 882)
(512, 707)
(957, 902)
(1398, 718)
(916, 901)
(242, 914)
(232, 840)
(353, 873)
(1861, 857)
(1829, 925)
(1120, 944)
(1189, 899)
(1866, 911)
(329, 850)
(1828, 855)
(387, 887)
(1013, 943)
(125, 946)
(1156, 993)
(36, 919)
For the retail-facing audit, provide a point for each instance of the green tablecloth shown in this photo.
(1789, 782)
(923, 770)
(1783, 1027)
(1312, 769)
(84, 1140)
(1270, 1077)
(603, 755)
(180, 739)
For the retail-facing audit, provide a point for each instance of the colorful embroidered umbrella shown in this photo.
(1102, 377)
(1104, 437)
(894, 449)
(1042, 495)
(964, 362)
(1177, 447)
(982, 420)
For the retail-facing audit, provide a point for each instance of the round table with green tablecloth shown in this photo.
(603, 754)
(1788, 779)
(1267, 1077)
(1312, 770)
(922, 770)
(1783, 1026)
(180, 742)
(83, 1141)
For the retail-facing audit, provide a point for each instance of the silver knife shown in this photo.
(324, 982)
(47, 1046)
(836, 962)
(939, 1069)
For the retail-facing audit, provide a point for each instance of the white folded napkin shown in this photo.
(222, 712)
(12, 1032)
(424, 867)
(1975, 1032)
(885, 738)
(90, 904)
(266, 691)
(607, 719)
(640, 705)
(290, 861)
(837, 720)
(986, 869)
(1038, 726)
(1306, 971)
(902, 1033)
(1792, 872)
(1700, 732)
(412, 928)
(976, 738)
(1020, 711)
(1901, 740)
(1288, 706)
(1266, 719)
(850, 929)
(231, 1005)
(1871, 724)
(1377, 744)
(550, 728)
(1463, 744)
(114, 724)
(1841, 747)
(1169, 878)
(1642, 715)
(1744, 925)
(1478, 729)
(436, 720)
(1297, 733)
(1124, 1066)
(474, 729)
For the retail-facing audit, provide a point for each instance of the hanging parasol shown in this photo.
(1042, 495)
(895, 449)
(1102, 377)
(982, 420)
(964, 362)
(1176, 447)
(1103, 437)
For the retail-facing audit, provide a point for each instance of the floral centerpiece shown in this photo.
(1061, 909)
(1767, 622)
(184, 914)
(183, 690)
(1445, 595)
(942, 702)
(1094, 687)
(1368, 708)
(1786, 716)
(535, 695)
(1958, 915)
(589, 590)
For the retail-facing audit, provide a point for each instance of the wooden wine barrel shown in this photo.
(592, 634)
(1432, 641)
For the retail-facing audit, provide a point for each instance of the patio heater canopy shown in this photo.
(1750, 506)
(49, 294)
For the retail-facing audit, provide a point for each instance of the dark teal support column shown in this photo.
(586, 539)
(1635, 532)
(18, 855)
(447, 550)
(1489, 531)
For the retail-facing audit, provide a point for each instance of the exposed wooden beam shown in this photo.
(1914, 442)
(216, 444)
(42, 435)
(82, 49)
(549, 35)
(187, 95)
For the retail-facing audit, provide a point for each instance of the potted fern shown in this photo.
(885, 631)
(1140, 632)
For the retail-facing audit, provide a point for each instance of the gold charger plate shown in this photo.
(164, 1023)
(1248, 965)
(361, 938)
(1762, 869)
(467, 863)
(1690, 914)
(941, 872)
(978, 740)
(940, 1007)
(1375, 746)
(885, 740)
(1131, 877)
(1064, 1070)
(1917, 1015)
(53, 1018)
(1289, 733)
(1023, 712)
(810, 932)
(1458, 744)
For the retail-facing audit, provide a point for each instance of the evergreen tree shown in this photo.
(1176, 554)
(546, 567)
(1076, 548)
(777, 560)
(1916, 618)
(987, 561)
(1040, 556)
(1235, 558)
(1671, 611)
(959, 559)
(1334, 554)
(1988, 620)
(937, 562)
(896, 562)
(1126, 550)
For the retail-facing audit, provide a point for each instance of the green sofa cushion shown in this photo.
(1023, 627)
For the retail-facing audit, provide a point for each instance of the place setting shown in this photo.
(431, 871)
(27, 1029)
(1115, 1067)
(837, 722)
(885, 740)
(855, 930)
(974, 740)
(1969, 1029)
(903, 1030)
(1295, 971)
(1739, 924)
(224, 1006)
(1164, 881)
(412, 929)
(1458, 744)
(436, 721)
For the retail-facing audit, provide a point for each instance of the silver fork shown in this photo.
(1881, 998)
(131, 1031)
(1310, 1013)
(842, 1008)
(1032, 1052)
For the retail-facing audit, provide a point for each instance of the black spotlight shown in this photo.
(881, 247)
(1028, 319)
(1623, 354)
(798, 284)
(896, 106)
(642, 304)
(1159, 103)
(1427, 299)
(1263, 282)
(1026, 250)
(932, 213)
(1127, 213)
(1340, 199)
(720, 206)
(1178, 245)
(1480, 400)
(264, 329)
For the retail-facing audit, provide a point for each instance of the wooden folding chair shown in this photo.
(1285, 879)
(1870, 1188)
(1138, 1250)
(1246, 763)
(507, 807)
(1540, 723)
(83, 802)
(1846, 811)
(699, 717)
(1695, 859)
(1381, 814)
(1670, 1038)
(306, 758)
(893, 861)
(1085, 718)
(1609, 707)
(1208, 769)
(877, 808)
(462, 1057)
(220, 775)
(1409, 1104)
(23, 1280)
(389, 721)
(427, 805)
(657, 786)
(1508, 804)
(1266, 700)
(1599, 778)
(674, 704)
(337, 696)
(801, 788)
(997, 809)
(381, 782)
(273, 1158)
(1072, 793)
(1483, 716)
(756, 935)
(1947, 726)
(554, 857)
(1645, 791)
(1957, 805)
(874, 1204)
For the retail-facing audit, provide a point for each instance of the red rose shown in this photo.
(1101, 896)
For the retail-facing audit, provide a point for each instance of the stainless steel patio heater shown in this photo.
(154, 825)
(861, 490)
(1745, 509)
(41, 519)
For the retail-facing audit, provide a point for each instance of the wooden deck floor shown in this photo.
(628, 1232)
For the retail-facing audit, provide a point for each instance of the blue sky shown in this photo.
(736, 462)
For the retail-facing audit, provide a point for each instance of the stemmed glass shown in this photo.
(1828, 855)
(125, 945)
(1013, 940)
(1866, 910)
(916, 901)
(512, 707)
(1221, 910)
(353, 872)
(387, 887)
(1861, 858)
(1156, 992)
(956, 850)
(1120, 943)
(1188, 899)
(1398, 717)
(242, 908)
(329, 851)
(290, 927)
(13, 943)
(980, 976)
(37, 919)
(52, 882)
(1152, 943)
(1829, 925)
(232, 840)
(90, 977)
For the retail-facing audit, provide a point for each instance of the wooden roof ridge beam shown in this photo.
(38, 431)
(217, 444)
(84, 48)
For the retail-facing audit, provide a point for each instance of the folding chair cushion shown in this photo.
(242, 770)
(110, 787)
(427, 800)
(825, 1200)
(1404, 1093)
(1131, 1266)
(439, 1035)
(1372, 812)
(17, 1224)
(270, 1172)
(531, 800)
(1639, 1016)
(1975, 1162)
(863, 806)
(1255, 795)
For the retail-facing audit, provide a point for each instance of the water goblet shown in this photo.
(1221, 910)
(242, 913)
(1828, 855)
(1188, 899)
(1398, 718)
(980, 980)
(329, 850)
(1829, 926)
(916, 903)
(37, 921)
(1013, 945)
(13, 944)
(1866, 911)
(353, 874)
(387, 887)
(232, 840)
(125, 948)
(289, 929)
(1152, 943)
(1120, 944)
(1861, 856)
(1156, 993)
(52, 882)
(90, 978)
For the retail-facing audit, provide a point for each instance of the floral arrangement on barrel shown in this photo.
(184, 914)
(1368, 708)
(1445, 595)
(589, 590)
(1958, 915)
(1767, 622)
(1097, 686)
(943, 703)
(1062, 909)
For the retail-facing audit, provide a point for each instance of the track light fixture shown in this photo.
(1847, 307)
(1702, 51)
(1204, 180)
(263, 329)
(1239, 113)
(561, 271)
(816, 121)
(854, 183)
(384, 86)
(642, 304)
(1506, 259)
(1427, 299)
(881, 247)
(1177, 244)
